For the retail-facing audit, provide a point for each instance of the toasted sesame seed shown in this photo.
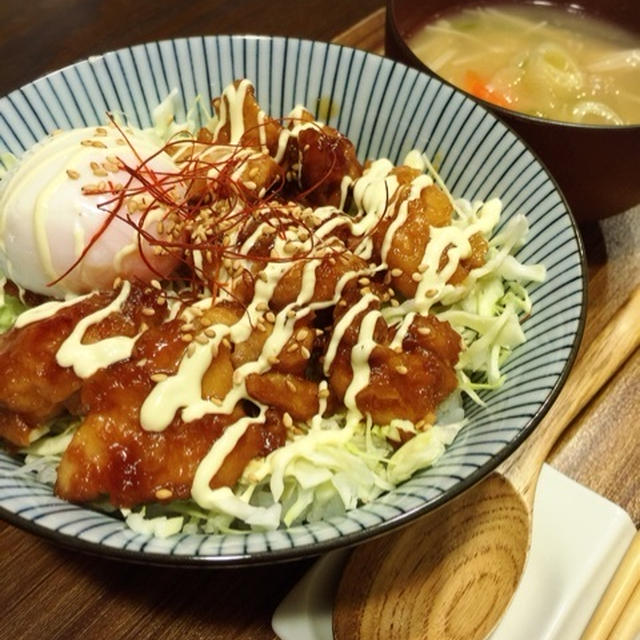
(186, 337)
(73, 174)
(302, 334)
(396, 273)
(292, 347)
(262, 327)
(210, 333)
(273, 360)
(431, 293)
(163, 494)
(158, 377)
(101, 131)
(98, 145)
(306, 354)
(270, 317)
(291, 314)
(364, 281)
(262, 306)
(416, 277)
(424, 331)
(226, 342)
(402, 370)
(365, 291)
(148, 311)
(323, 393)
(117, 282)
(287, 420)
(201, 339)
(86, 143)
(191, 349)
(141, 362)
(290, 385)
(394, 302)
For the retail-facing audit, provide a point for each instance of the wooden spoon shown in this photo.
(451, 574)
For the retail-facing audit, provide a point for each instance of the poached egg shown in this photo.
(64, 191)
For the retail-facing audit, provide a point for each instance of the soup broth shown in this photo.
(540, 60)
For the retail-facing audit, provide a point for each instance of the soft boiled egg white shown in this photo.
(47, 217)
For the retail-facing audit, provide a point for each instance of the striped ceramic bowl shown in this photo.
(387, 109)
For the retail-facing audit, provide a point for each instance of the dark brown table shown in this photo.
(47, 592)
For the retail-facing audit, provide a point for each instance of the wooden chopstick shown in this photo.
(619, 608)
(628, 624)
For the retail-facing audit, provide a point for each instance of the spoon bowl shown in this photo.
(452, 574)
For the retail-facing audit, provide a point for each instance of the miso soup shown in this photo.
(540, 60)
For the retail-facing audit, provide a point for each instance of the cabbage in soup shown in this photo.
(539, 60)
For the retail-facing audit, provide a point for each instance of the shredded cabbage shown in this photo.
(10, 308)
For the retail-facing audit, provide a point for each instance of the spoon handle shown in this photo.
(593, 368)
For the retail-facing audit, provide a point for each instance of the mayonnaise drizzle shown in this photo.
(46, 310)
(342, 325)
(360, 360)
(401, 331)
(86, 359)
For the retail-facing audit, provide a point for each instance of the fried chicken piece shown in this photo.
(112, 455)
(217, 173)
(283, 386)
(255, 129)
(477, 258)
(285, 392)
(409, 242)
(325, 158)
(35, 387)
(332, 267)
(406, 384)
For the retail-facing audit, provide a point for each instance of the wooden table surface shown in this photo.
(47, 592)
